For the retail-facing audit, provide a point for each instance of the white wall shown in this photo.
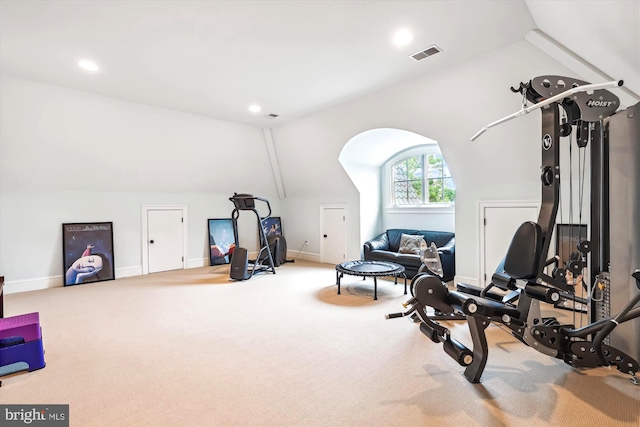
(57, 140)
(449, 106)
(69, 156)
(367, 180)
(31, 226)
(301, 221)
(429, 219)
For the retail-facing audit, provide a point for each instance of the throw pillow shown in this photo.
(410, 244)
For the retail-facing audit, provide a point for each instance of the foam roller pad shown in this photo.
(26, 326)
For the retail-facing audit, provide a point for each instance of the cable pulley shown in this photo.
(584, 247)
(575, 267)
(547, 176)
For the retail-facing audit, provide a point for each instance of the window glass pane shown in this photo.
(448, 183)
(435, 190)
(445, 170)
(415, 192)
(414, 167)
(449, 190)
(400, 171)
(401, 192)
(410, 176)
(435, 166)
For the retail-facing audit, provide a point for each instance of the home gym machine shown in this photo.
(602, 267)
(241, 267)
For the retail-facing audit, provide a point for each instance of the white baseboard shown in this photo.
(37, 284)
(197, 262)
(16, 286)
(467, 280)
(128, 271)
(307, 256)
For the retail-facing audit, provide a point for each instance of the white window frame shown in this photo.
(388, 187)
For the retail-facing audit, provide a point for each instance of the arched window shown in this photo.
(421, 179)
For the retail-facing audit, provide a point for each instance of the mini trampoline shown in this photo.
(373, 269)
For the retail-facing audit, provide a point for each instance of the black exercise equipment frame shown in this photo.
(546, 335)
(247, 202)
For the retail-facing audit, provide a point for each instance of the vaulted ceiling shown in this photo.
(215, 58)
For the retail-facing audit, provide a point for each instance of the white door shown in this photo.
(334, 235)
(499, 226)
(165, 240)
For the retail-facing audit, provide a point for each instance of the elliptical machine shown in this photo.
(241, 267)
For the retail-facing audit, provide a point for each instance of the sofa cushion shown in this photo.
(409, 260)
(440, 238)
(382, 256)
(410, 244)
(395, 234)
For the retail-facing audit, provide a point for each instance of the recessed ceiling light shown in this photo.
(88, 65)
(254, 108)
(402, 38)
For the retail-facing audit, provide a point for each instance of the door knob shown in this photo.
(150, 241)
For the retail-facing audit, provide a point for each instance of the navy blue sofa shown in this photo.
(385, 248)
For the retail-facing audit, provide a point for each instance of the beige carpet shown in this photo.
(191, 348)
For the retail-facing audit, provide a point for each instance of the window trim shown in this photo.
(391, 206)
(431, 207)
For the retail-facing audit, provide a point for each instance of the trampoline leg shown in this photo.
(338, 276)
(375, 287)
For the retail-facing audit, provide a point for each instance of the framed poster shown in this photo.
(272, 226)
(87, 251)
(222, 241)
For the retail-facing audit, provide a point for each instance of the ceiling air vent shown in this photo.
(431, 50)
(271, 116)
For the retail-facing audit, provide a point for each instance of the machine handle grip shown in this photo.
(548, 101)
(406, 313)
(268, 206)
(553, 260)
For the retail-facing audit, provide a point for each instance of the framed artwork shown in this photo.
(567, 238)
(87, 249)
(222, 241)
(272, 226)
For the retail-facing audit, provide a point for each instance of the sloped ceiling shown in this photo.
(215, 58)
(606, 34)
